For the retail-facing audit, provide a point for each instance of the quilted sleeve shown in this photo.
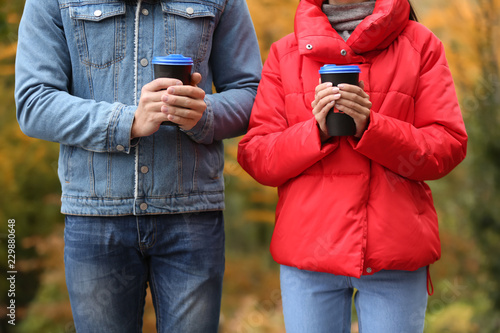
(273, 152)
(436, 141)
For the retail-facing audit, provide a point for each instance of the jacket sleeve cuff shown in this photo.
(203, 131)
(120, 128)
(311, 141)
(324, 147)
(357, 143)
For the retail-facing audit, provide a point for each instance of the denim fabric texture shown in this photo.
(79, 75)
(110, 260)
(387, 301)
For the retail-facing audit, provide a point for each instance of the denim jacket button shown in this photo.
(97, 13)
(144, 206)
(189, 10)
(144, 169)
(144, 62)
(120, 148)
(145, 12)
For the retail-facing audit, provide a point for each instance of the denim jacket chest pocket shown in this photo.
(189, 26)
(98, 26)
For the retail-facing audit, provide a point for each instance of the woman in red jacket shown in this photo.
(354, 211)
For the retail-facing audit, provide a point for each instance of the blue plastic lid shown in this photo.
(173, 59)
(334, 69)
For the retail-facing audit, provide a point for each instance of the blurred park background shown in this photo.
(466, 279)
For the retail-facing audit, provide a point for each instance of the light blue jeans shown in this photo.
(110, 261)
(386, 302)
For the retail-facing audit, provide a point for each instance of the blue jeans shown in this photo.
(110, 261)
(386, 302)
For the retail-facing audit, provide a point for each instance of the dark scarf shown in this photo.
(345, 18)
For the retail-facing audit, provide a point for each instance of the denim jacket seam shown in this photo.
(90, 166)
(195, 169)
(180, 183)
(220, 5)
(150, 197)
(111, 128)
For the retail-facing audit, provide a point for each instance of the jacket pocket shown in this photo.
(189, 27)
(100, 32)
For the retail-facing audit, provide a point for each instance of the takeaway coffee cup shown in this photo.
(174, 66)
(337, 122)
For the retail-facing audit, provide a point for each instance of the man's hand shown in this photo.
(148, 116)
(167, 99)
(185, 105)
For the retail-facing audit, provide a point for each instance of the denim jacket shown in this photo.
(80, 68)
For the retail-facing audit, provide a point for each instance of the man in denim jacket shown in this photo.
(143, 202)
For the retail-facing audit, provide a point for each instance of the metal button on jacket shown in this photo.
(189, 10)
(309, 46)
(343, 52)
(97, 13)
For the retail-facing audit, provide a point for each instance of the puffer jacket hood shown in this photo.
(349, 206)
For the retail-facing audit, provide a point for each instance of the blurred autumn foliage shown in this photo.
(467, 287)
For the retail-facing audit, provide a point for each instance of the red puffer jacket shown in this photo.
(348, 206)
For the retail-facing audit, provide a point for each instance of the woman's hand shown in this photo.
(325, 98)
(185, 105)
(350, 99)
(355, 102)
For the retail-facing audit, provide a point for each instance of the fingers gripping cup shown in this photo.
(173, 66)
(337, 122)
